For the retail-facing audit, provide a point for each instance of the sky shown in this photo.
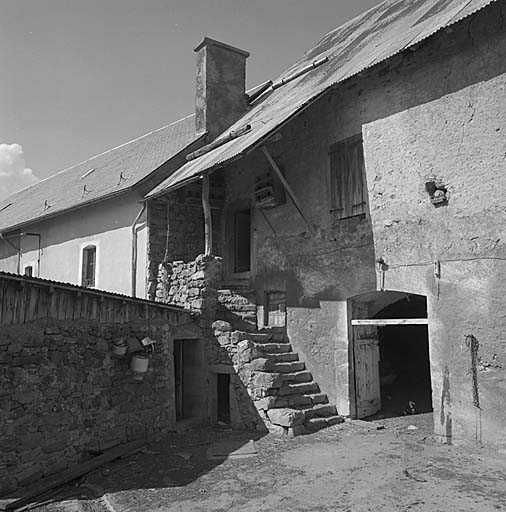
(82, 76)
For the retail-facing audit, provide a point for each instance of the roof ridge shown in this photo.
(93, 157)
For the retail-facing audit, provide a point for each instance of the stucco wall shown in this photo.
(456, 136)
(317, 272)
(106, 224)
(434, 113)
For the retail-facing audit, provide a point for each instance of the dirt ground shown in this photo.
(344, 468)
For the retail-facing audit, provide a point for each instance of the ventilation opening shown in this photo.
(223, 393)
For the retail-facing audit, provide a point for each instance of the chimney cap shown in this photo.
(207, 41)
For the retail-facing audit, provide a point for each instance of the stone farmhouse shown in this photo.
(87, 225)
(337, 229)
(354, 209)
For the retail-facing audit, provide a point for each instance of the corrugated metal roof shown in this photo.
(366, 40)
(114, 171)
(91, 291)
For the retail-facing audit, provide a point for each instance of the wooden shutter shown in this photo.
(347, 177)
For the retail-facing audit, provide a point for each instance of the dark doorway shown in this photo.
(223, 391)
(187, 378)
(242, 240)
(404, 365)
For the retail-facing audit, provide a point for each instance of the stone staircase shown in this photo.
(283, 391)
(295, 405)
(237, 305)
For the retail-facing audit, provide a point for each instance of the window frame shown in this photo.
(84, 247)
(343, 176)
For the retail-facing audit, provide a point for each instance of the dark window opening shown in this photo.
(28, 271)
(242, 241)
(89, 266)
(347, 177)
(223, 393)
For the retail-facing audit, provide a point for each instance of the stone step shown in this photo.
(302, 376)
(257, 337)
(299, 389)
(242, 309)
(319, 411)
(290, 367)
(278, 336)
(319, 398)
(276, 348)
(298, 401)
(288, 357)
(315, 424)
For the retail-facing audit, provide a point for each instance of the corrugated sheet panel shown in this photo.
(368, 39)
(77, 288)
(108, 173)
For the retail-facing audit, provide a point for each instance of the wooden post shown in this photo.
(390, 321)
(208, 225)
(291, 193)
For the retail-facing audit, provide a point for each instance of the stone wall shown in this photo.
(191, 285)
(176, 229)
(64, 395)
(194, 285)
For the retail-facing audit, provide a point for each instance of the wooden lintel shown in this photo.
(208, 225)
(291, 193)
(391, 321)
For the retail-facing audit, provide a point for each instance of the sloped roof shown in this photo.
(109, 173)
(381, 32)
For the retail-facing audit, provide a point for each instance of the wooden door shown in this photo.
(178, 377)
(367, 379)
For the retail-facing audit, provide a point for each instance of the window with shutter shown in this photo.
(347, 182)
(89, 265)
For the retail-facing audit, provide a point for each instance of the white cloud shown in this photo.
(14, 175)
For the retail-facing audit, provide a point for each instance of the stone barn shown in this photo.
(350, 226)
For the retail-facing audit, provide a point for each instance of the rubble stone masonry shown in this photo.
(64, 395)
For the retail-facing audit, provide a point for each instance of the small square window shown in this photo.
(347, 177)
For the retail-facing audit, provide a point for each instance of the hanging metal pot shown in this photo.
(119, 347)
(139, 365)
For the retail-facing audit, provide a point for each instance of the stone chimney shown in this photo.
(221, 86)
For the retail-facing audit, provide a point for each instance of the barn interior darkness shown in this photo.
(404, 360)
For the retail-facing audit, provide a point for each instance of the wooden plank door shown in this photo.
(367, 379)
(178, 377)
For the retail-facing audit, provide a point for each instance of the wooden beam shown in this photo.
(208, 224)
(391, 321)
(23, 496)
(291, 193)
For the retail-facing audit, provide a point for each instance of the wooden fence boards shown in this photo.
(24, 299)
(43, 306)
(8, 304)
